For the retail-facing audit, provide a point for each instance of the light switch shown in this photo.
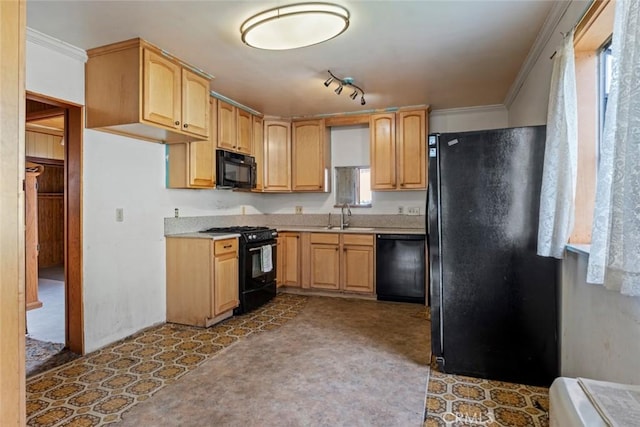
(119, 214)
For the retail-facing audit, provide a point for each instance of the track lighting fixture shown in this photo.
(342, 82)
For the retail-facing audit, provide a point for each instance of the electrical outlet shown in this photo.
(400, 210)
(413, 210)
(119, 214)
(298, 209)
(176, 212)
(242, 210)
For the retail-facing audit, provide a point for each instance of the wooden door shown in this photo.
(291, 273)
(308, 142)
(357, 268)
(195, 104)
(412, 150)
(225, 276)
(382, 128)
(244, 131)
(325, 266)
(31, 239)
(258, 151)
(226, 126)
(161, 90)
(277, 156)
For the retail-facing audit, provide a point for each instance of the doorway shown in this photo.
(53, 142)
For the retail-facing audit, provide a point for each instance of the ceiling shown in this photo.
(447, 54)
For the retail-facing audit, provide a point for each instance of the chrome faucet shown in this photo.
(344, 224)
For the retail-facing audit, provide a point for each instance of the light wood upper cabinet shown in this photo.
(277, 155)
(226, 126)
(192, 164)
(195, 104)
(412, 149)
(161, 90)
(226, 276)
(382, 130)
(398, 150)
(244, 131)
(133, 88)
(202, 280)
(258, 151)
(311, 155)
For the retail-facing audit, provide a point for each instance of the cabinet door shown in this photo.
(226, 283)
(258, 151)
(161, 90)
(195, 104)
(280, 260)
(244, 131)
(226, 126)
(291, 273)
(325, 266)
(412, 146)
(357, 268)
(308, 145)
(382, 128)
(277, 156)
(202, 162)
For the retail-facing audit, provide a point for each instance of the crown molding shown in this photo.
(548, 29)
(494, 108)
(59, 46)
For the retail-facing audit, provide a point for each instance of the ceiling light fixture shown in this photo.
(293, 26)
(346, 82)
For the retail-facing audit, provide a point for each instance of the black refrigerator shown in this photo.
(494, 302)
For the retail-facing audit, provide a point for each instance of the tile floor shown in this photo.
(98, 388)
(47, 323)
(456, 401)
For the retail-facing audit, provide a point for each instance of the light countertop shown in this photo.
(211, 236)
(357, 230)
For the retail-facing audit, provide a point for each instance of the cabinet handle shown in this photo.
(185, 125)
(227, 246)
(177, 123)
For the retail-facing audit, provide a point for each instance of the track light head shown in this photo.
(347, 82)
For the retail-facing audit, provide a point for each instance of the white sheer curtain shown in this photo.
(560, 156)
(615, 246)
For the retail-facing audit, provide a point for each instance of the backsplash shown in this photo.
(198, 223)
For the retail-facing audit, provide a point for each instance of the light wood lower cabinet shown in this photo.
(342, 262)
(291, 259)
(202, 280)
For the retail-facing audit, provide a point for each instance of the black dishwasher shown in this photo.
(400, 267)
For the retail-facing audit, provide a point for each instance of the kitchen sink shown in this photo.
(357, 229)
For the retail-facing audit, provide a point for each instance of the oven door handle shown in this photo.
(260, 247)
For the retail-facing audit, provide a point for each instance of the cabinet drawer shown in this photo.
(358, 239)
(328, 238)
(225, 246)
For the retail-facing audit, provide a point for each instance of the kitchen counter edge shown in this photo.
(198, 235)
(355, 230)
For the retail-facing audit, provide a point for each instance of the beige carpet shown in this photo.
(340, 362)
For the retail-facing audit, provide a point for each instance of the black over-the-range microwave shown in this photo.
(234, 170)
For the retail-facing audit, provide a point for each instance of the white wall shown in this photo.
(124, 263)
(600, 329)
(529, 106)
(349, 147)
(600, 335)
(466, 119)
